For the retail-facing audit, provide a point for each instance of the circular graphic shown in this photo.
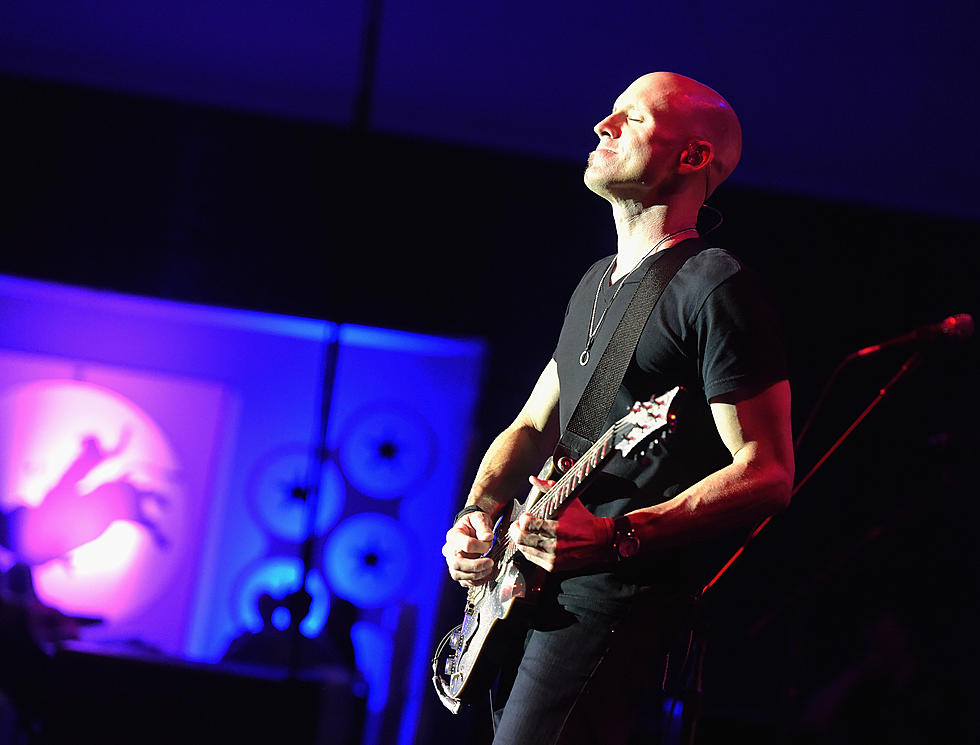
(281, 618)
(277, 498)
(366, 559)
(93, 481)
(384, 452)
(278, 576)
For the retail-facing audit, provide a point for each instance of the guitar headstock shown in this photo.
(648, 422)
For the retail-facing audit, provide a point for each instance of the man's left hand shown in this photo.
(576, 539)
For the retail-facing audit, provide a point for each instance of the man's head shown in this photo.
(667, 137)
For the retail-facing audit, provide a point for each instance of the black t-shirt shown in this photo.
(713, 332)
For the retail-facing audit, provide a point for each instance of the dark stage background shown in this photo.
(201, 204)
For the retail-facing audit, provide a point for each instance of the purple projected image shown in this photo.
(102, 490)
(91, 487)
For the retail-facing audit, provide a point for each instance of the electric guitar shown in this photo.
(465, 654)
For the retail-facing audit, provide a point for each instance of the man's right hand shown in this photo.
(466, 542)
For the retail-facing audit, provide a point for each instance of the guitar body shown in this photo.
(474, 665)
(469, 668)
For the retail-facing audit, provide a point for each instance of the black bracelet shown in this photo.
(466, 511)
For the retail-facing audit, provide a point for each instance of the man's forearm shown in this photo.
(515, 454)
(758, 482)
(740, 494)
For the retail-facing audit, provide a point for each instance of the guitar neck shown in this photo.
(548, 504)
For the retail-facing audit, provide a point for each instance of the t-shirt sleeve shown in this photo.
(740, 344)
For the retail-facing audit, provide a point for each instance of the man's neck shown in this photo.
(641, 230)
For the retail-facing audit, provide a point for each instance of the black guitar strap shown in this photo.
(588, 419)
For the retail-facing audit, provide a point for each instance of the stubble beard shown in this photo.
(604, 181)
(597, 181)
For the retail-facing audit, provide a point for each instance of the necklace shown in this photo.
(583, 359)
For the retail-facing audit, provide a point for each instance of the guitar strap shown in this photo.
(589, 417)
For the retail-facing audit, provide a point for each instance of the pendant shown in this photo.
(583, 358)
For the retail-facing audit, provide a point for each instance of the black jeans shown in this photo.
(585, 675)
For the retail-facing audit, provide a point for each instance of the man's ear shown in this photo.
(696, 156)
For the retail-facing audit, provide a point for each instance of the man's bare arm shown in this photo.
(521, 448)
(516, 452)
(758, 482)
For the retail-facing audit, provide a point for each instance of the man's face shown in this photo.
(639, 144)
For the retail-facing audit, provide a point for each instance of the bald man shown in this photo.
(624, 559)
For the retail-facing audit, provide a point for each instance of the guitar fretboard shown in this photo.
(548, 504)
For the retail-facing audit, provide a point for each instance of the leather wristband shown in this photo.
(466, 511)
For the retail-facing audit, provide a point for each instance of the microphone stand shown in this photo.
(312, 496)
(694, 688)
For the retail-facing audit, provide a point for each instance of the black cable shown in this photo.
(717, 212)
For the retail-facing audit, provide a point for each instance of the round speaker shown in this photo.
(277, 495)
(386, 451)
(366, 559)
